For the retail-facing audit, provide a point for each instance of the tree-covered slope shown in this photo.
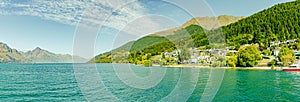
(132, 46)
(280, 22)
(146, 41)
(155, 45)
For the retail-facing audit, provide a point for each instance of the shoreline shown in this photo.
(276, 68)
(208, 67)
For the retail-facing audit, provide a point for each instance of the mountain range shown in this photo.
(38, 55)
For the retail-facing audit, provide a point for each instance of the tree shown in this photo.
(286, 56)
(185, 54)
(163, 55)
(287, 60)
(267, 52)
(156, 59)
(231, 61)
(248, 56)
(273, 62)
(297, 46)
(147, 63)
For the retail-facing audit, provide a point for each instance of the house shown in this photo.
(275, 43)
(194, 60)
(246, 45)
(172, 54)
(233, 51)
(290, 41)
(167, 54)
(276, 51)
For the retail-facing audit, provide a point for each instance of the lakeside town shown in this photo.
(211, 57)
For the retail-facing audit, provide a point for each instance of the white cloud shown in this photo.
(71, 12)
(90, 13)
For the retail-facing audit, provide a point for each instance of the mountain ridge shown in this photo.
(131, 44)
(8, 54)
(208, 23)
(37, 55)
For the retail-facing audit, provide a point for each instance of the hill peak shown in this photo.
(213, 22)
(37, 49)
(4, 47)
(205, 22)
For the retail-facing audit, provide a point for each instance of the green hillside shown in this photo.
(280, 22)
(155, 45)
(144, 42)
(126, 46)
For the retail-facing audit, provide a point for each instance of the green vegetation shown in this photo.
(248, 56)
(273, 62)
(231, 62)
(147, 63)
(184, 55)
(280, 22)
(286, 56)
(147, 41)
(267, 52)
(154, 45)
(102, 58)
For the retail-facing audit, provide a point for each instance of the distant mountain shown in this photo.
(38, 55)
(205, 22)
(9, 55)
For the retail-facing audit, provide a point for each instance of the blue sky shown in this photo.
(51, 25)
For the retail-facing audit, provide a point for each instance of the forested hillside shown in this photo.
(280, 22)
(155, 45)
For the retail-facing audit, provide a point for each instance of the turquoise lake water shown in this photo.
(107, 82)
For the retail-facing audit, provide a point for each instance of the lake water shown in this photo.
(122, 82)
